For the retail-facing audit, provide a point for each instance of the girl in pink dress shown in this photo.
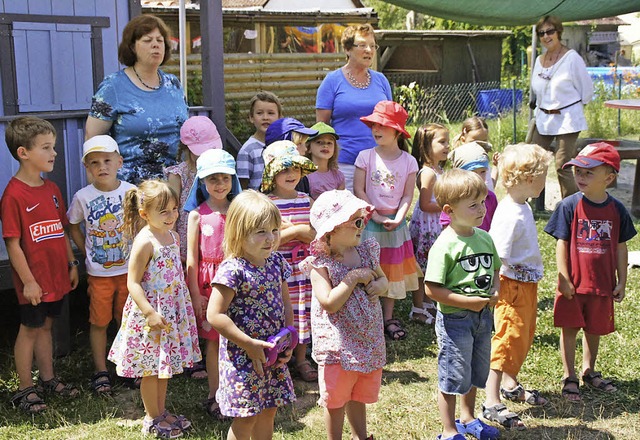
(346, 317)
(158, 337)
(216, 183)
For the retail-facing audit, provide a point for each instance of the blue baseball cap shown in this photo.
(281, 129)
(211, 162)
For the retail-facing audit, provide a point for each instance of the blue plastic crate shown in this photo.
(491, 103)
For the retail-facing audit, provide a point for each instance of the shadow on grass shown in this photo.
(546, 303)
(559, 432)
(403, 377)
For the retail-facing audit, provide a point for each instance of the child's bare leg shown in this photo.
(43, 350)
(241, 428)
(333, 422)
(263, 428)
(162, 394)
(568, 350)
(357, 417)
(300, 353)
(493, 387)
(149, 393)
(387, 307)
(23, 352)
(467, 406)
(213, 374)
(98, 340)
(419, 299)
(590, 346)
(447, 408)
(509, 381)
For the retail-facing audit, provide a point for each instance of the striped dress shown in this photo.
(296, 211)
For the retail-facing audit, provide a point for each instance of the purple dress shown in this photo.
(256, 309)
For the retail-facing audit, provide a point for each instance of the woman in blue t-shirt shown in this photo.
(350, 92)
(141, 107)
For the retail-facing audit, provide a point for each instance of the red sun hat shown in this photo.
(389, 114)
(593, 155)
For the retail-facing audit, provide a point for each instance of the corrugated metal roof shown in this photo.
(243, 3)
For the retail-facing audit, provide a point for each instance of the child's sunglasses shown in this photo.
(357, 223)
(547, 32)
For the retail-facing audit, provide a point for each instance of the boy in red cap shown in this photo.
(592, 229)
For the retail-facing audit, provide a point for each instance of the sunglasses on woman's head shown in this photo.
(547, 32)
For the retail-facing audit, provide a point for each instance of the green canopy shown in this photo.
(518, 12)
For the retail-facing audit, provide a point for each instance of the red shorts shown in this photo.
(337, 386)
(107, 296)
(592, 313)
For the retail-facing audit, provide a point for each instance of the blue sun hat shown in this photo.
(211, 162)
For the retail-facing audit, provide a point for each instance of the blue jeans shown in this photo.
(464, 339)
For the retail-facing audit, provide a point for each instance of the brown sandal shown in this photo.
(595, 380)
(306, 371)
(57, 387)
(567, 390)
(394, 330)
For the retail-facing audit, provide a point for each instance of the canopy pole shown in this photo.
(534, 50)
(182, 32)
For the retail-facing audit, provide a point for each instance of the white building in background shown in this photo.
(630, 36)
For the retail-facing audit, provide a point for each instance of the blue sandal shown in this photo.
(153, 426)
(478, 429)
(455, 437)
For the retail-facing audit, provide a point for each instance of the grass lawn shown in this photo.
(407, 407)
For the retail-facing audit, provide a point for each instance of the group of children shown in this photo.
(208, 261)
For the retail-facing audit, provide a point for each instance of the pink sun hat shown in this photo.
(200, 134)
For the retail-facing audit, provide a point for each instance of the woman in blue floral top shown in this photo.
(141, 107)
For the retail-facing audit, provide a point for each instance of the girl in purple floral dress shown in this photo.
(249, 303)
(158, 337)
(346, 317)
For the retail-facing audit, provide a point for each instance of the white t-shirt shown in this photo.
(102, 214)
(514, 233)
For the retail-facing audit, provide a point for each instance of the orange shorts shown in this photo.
(107, 296)
(337, 386)
(515, 324)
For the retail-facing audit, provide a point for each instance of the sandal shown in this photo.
(595, 380)
(421, 316)
(568, 392)
(478, 429)
(394, 330)
(153, 426)
(133, 383)
(52, 386)
(212, 408)
(180, 421)
(21, 400)
(306, 371)
(520, 395)
(101, 383)
(198, 371)
(500, 414)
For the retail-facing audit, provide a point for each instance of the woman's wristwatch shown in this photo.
(73, 263)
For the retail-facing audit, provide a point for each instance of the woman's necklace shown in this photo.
(357, 83)
(145, 84)
(547, 72)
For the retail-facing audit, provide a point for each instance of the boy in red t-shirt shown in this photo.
(43, 266)
(592, 229)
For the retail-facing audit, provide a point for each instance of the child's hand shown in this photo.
(255, 351)
(362, 275)
(377, 218)
(495, 159)
(199, 303)
(155, 321)
(618, 293)
(566, 288)
(284, 357)
(495, 296)
(306, 233)
(74, 277)
(285, 224)
(477, 303)
(390, 225)
(376, 287)
(32, 293)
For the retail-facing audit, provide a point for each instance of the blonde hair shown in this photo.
(299, 138)
(521, 161)
(457, 184)
(333, 160)
(248, 211)
(150, 194)
(469, 124)
(422, 140)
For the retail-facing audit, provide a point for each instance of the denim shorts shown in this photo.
(464, 340)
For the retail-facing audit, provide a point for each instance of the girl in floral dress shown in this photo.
(207, 204)
(158, 337)
(430, 148)
(346, 316)
(249, 303)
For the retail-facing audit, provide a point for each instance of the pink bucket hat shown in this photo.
(200, 134)
(334, 208)
(389, 114)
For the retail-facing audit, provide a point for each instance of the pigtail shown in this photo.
(132, 222)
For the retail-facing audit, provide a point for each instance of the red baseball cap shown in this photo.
(389, 114)
(593, 155)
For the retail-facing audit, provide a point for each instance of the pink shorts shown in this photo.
(592, 313)
(338, 386)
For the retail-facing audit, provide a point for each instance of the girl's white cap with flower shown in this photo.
(279, 156)
(211, 162)
(200, 134)
(334, 208)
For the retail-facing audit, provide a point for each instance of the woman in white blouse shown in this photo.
(562, 87)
